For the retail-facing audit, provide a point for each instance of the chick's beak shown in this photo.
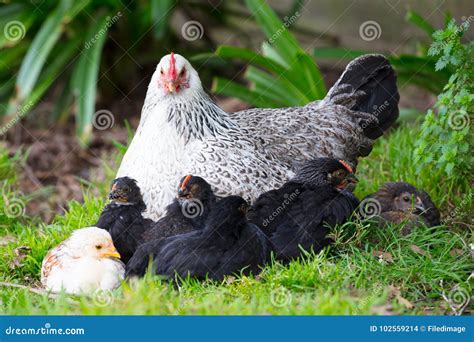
(111, 253)
(352, 178)
(419, 206)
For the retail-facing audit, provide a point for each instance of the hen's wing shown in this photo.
(236, 163)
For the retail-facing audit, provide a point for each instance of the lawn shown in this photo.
(367, 271)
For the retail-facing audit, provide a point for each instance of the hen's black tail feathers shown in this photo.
(368, 85)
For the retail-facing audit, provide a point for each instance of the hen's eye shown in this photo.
(98, 247)
(406, 199)
(181, 73)
(161, 72)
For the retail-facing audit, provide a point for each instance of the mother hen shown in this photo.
(183, 131)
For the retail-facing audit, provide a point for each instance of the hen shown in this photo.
(299, 214)
(183, 131)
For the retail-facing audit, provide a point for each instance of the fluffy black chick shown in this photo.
(227, 244)
(300, 213)
(187, 212)
(122, 218)
(402, 202)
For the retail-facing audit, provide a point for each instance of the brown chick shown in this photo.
(401, 202)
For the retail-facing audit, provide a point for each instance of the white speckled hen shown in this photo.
(183, 131)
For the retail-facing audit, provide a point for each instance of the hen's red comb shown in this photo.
(172, 67)
(185, 182)
(347, 166)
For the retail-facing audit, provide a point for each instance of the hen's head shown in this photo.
(174, 76)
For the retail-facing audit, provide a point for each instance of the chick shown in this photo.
(122, 218)
(85, 262)
(299, 214)
(227, 244)
(399, 202)
(187, 212)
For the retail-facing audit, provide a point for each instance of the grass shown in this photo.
(367, 271)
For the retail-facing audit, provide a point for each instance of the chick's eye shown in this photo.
(98, 247)
(406, 199)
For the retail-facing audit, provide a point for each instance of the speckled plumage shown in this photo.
(255, 150)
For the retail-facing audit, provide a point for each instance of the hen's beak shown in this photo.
(171, 87)
(111, 253)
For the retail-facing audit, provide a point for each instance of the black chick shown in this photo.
(300, 213)
(122, 218)
(227, 244)
(401, 202)
(187, 212)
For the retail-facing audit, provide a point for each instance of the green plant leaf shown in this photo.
(275, 30)
(161, 11)
(84, 79)
(419, 21)
(271, 87)
(227, 87)
(337, 52)
(38, 52)
(227, 52)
